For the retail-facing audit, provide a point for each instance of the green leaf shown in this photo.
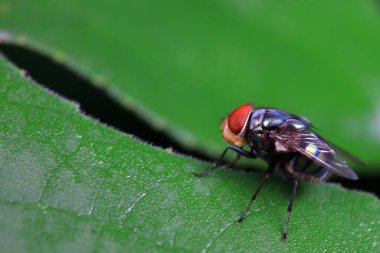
(70, 184)
(184, 65)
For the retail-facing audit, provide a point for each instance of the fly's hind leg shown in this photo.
(239, 151)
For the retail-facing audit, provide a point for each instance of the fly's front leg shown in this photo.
(230, 164)
(239, 151)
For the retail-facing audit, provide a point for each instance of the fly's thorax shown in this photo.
(254, 141)
(262, 124)
(295, 125)
(265, 119)
(256, 121)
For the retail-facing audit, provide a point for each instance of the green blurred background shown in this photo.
(182, 66)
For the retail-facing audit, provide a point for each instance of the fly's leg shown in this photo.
(290, 207)
(239, 151)
(230, 164)
(266, 177)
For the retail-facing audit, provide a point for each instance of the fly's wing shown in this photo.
(343, 153)
(310, 145)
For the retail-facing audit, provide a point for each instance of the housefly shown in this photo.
(283, 140)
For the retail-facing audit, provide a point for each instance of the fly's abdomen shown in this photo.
(307, 169)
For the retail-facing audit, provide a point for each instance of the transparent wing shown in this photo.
(316, 149)
(343, 153)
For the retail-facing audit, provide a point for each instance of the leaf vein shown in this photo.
(215, 237)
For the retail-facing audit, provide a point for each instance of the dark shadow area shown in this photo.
(96, 102)
(368, 184)
(93, 101)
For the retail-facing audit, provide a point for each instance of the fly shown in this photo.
(283, 140)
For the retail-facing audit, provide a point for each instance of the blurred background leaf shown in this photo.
(70, 184)
(184, 65)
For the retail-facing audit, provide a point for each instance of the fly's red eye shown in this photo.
(238, 118)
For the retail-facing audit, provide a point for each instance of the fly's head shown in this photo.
(234, 126)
